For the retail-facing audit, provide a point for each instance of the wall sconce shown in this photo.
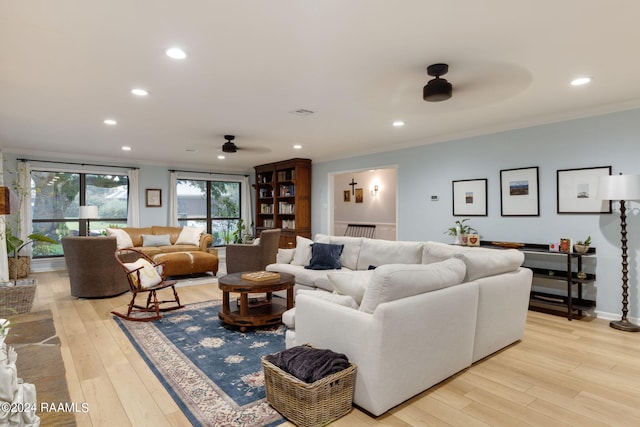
(88, 213)
(374, 190)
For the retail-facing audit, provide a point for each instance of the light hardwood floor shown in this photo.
(563, 373)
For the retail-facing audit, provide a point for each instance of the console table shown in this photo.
(563, 268)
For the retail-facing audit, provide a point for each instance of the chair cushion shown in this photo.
(149, 276)
(325, 256)
(394, 281)
(155, 240)
(190, 236)
(123, 240)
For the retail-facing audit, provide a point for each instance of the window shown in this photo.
(211, 204)
(57, 196)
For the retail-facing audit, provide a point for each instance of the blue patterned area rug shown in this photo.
(213, 373)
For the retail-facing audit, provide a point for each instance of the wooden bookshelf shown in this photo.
(283, 199)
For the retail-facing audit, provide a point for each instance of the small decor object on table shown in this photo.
(581, 247)
(565, 245)
(260, 276)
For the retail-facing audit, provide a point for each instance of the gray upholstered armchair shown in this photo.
(93, 270)
(254, 257)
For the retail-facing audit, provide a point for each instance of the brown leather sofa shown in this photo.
(93, 270)
(136, 237)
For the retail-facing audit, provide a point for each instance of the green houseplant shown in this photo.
(582, 247)
(19, 266)
(460, 229)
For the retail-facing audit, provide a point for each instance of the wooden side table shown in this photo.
(267, 312)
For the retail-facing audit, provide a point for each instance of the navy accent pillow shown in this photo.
(372, 267)
(325, 256)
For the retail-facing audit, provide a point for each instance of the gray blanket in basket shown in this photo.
(309, 364)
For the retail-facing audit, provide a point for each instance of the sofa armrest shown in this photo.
(206, 240)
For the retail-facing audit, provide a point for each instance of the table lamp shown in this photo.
(622, 188)
(88, 213)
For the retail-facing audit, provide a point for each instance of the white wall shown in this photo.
(378, 208)
(427, 170)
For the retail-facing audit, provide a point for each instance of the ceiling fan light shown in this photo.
(437, 90)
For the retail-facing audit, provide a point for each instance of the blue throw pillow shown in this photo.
(325, 256)
(156, 240)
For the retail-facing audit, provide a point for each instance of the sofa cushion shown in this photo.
(351, 251)
(344, 300)
(325, 256)
(173, 232)
(155, 240)
(352, 283)
(190, 236)
(303, 251)
(394, 281)
(123, 240)
(306, 277)
(378, 252)
(490, 262)
(135, 233)
(437, 251)
(285, 256)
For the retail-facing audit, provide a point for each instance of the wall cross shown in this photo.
(353, 186)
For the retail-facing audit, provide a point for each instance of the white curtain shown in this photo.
(24, 204)
(247, 208)
(173, 200)
(133, 208)
(4, 268)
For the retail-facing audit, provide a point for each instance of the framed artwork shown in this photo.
(154, 198)
(519, 194)
(359, 195)
(346, 196)
(470, 197)
(577, 190)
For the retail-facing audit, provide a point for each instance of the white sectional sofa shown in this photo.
(427, 311)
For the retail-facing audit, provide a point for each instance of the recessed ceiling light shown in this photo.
(140, 92)
(297, 147)
(580, 81)
(110, 122)
(126, 148)
(221, 157)
(398, 123)
(176, 53)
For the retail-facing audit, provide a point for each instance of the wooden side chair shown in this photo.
(145, 276)
(360, 230)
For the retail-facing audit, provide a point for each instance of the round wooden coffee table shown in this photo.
(259, 312)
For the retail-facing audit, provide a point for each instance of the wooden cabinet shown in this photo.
(283, 199)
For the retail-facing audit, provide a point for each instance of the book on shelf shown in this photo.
(266, 208)
(289, 223)
(286, 208)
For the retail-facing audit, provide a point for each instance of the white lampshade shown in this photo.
(619, 187)
(88, 212)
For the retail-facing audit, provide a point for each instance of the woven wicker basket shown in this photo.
(309, 405)
(17, 299)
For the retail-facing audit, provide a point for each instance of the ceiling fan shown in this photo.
(229, 146)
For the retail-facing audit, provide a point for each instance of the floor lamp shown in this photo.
(88, 213)
(622, 188)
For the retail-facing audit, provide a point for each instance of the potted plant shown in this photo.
(582, 247)
(459, 232)
(19, 266)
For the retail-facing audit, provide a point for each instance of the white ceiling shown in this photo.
(66, 65)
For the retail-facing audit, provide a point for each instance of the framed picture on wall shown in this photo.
(470, 197)
(577, 190)
(359, 195)
(154, 198)
(346, 196)
(519, 192)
